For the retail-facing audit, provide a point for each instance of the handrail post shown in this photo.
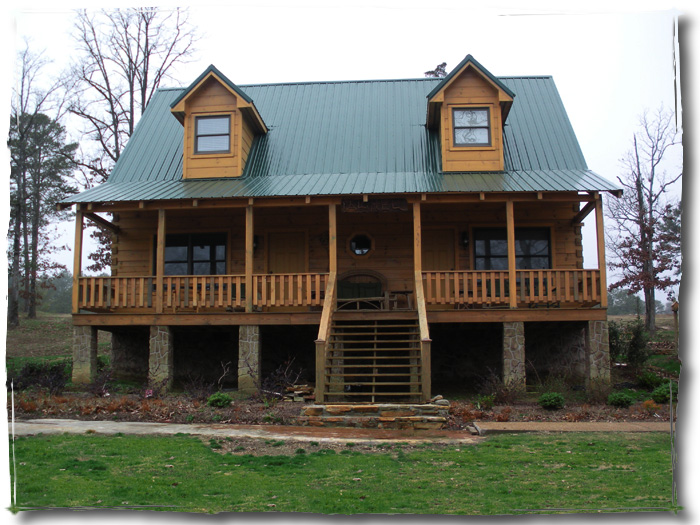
(249, 241)
(323, 335)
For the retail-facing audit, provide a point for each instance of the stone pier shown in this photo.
(598, 354)
(249, 359)
(84, 354)
(161, 356)
(514, 355)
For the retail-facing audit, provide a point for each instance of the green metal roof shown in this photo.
(344, 138)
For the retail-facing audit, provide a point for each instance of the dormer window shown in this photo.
(472, 126)
(212, 134)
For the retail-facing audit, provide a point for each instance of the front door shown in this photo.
(286, 259)
(439, 256)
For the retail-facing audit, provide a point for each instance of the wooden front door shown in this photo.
(286, 259)
(286, 252)
(439, 256)
(438, 250)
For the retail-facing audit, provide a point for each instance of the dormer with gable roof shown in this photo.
(220, 123)
(469, 108)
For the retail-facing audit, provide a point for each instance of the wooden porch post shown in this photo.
(510, 227)
(600, 237)
(425, 341)
(77, 257)
(160, 260)
(249, 258)
(332, 239)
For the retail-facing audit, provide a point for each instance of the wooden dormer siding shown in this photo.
(213, 95)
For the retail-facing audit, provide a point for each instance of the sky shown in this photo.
(611, 60)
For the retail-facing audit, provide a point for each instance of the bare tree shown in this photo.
(124, 55)
(640, 218)
(440, 71)
(32, 99)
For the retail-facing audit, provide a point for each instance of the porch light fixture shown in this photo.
(465, 239)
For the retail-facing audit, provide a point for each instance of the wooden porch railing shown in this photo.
(425, 341)
(200, 291)
(533, 287)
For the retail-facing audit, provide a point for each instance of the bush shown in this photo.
(551, 401)
(615, 341)
(219, 400)
(620, 399)
(637, 351)
(649, 380)
(51, 376)
(485, 402)
(661, 394)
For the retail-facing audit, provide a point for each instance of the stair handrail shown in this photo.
(324, 328)
(425, 341)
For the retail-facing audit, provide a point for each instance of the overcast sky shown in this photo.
(609, 63)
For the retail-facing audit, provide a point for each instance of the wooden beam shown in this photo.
(588, 208)
(77, 257)
(104, 223)
(249, 259)
(160, 260)
(417, 239)
(332, 239)
(510, 228)
(600, 237)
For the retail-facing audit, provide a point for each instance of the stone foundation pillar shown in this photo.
(84, 354)
(160, 356)
(249, 359)
(129, 354)
(597, 354)
(514, 355)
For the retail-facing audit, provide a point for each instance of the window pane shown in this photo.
(532, 247)
(498, 263)
(175, 253)
(213, 126)
(469, 118)
(201, 253)
(179, 268)
(220, 268)
(213, 143)
(220, 253)
(201, 268)
(471, 136)
(498, 247)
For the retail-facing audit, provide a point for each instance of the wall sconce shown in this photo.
(255, 242)
(465, 240)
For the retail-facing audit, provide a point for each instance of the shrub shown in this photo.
(649, 380)
(661, 394)
(551, 401)
(51, 376)
(484, 402)
(637, 351)
(615, 341)
(219, 400)
(620, 399)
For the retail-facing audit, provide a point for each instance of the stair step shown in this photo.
(373, 326)
(375, 366)
(367, 349)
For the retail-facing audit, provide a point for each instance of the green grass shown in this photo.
(505, 474)
(668, 363)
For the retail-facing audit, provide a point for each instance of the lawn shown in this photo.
(503, 474)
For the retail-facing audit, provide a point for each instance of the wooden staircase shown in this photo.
(373, 361)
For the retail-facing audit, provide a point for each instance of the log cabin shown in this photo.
(392, 238)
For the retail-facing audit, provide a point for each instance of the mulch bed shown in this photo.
(181, 409)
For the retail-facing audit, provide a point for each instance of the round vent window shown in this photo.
(360, 244)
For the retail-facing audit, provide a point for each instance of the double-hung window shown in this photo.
(471, 126)
(212, 134)
(195, 254)
(532, 249)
